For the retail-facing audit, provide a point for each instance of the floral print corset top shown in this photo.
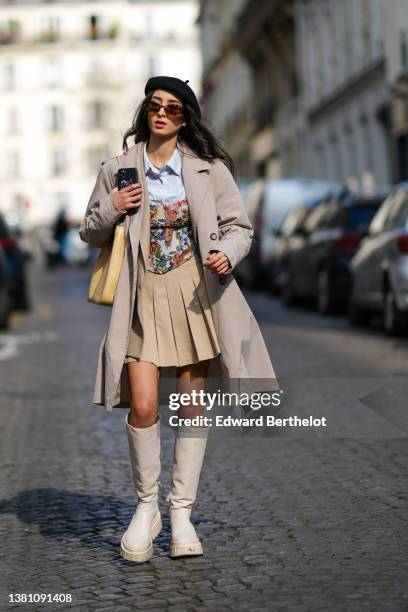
(171, 236)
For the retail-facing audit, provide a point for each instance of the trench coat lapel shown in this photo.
(196, 179)
(196, 174)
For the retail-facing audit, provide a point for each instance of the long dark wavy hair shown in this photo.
(194, 134)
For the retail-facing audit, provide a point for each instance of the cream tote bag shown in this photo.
(105, 274)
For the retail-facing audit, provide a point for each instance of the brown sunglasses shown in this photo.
(172, 110)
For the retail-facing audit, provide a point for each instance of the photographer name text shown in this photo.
(261, 421)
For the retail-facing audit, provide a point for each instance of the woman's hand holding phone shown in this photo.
(127, 198)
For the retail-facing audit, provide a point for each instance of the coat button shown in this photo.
(222, 280)
(213, 236)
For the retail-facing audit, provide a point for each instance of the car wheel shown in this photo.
(395, 321)
(324, 297)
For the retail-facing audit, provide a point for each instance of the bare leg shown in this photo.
(143, 380)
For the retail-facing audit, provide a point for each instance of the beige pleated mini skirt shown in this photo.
(172, 321)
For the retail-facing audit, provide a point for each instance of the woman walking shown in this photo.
(177, 306)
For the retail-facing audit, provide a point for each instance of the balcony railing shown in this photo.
(8, 37)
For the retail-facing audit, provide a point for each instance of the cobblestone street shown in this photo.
(286, 524)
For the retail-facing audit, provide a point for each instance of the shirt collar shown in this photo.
(173, 164)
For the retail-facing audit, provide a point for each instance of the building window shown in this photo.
(321, 169)
(149, 25)
(9, 76)
(94, 27)
(52, 71)
(352, 170)
(51, 30)
(10, 32)
(367, 141)
(12, 126)
(367, 30)
(152, 65)
(54, 118)
(58, 162)
(404, 50)
(12, 159)
(96, 113)
(337, 167)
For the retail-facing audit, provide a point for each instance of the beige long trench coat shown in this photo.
(219, 221)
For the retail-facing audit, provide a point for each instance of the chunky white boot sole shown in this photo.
(185, 550)
(142, 555)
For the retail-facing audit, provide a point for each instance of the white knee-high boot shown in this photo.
(146, 523)
(189, 449)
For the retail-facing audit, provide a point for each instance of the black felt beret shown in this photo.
(176, 86)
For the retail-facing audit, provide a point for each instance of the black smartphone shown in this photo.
(125, 177)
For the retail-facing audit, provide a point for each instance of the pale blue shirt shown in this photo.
(165, 185)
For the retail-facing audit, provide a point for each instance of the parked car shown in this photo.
(278, 198)
(290, 226)
(379, 269)
(15, 266)
(316, 264)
